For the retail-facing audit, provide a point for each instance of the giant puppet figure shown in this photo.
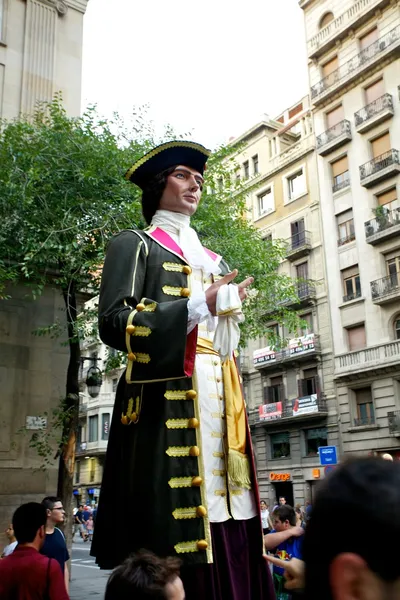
(179, 476)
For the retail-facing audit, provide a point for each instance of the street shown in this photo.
(87, 581)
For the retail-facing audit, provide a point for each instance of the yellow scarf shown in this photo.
(238, 461)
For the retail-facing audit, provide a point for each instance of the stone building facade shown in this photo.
(289, 392)
(354, 72)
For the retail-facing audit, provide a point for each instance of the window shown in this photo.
(255, 164)
(345, 226)
(388, 199)
(220, 183)
(351, 283)
(308, 327)
(364, 407)
(333, 117)
(275, 390)
(340, 173)
(380, 145)
(397, 329)
(265, 202)
(314, 439)
(295, 110)
(309, 384)
(329, 70)
(246, 169)
(303, 287)
(105, 425)
(268, 238)
(356, 337)
(280, 445)
(237, 175)
(298, 234)
(94, 428)
(92, 469)
(374, 91)
(369, 38)
(393, 270)
(296, 184)
(114, 384)
(326, 19)
(77, 471)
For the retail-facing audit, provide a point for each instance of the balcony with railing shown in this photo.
(306, 295)
(302, 408)
(374, 113)
(379, 168)
(353, 296)
(375, 53)
(341, 182)
(385, 226)
(364, 421)
(394, 422)
(298, 350)
(346, 239)
(334, 137)
(357, 14)
(298, 245)
(371, 360)
(386, 289)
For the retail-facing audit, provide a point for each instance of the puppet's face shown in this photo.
(182, 192)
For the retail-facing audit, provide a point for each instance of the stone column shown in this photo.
(40, 51)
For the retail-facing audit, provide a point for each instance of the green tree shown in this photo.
(63, 195)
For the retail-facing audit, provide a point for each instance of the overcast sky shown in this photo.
(211, 68)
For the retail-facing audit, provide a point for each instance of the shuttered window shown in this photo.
(369, 38)
(356, 337)
(380, 145)
(365, 407)
(387, 197)
(374, 91)
(326, 19)
(333, 117)
(330, 66)
(340, 166)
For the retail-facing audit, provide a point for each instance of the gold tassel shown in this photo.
(239, 469)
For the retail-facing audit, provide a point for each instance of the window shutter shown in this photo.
(350, 272)
(381, 145)
(344, 217)
(374, 91)
(340, 166)
(330, 66)
(334, 116)
(357, 339)
(369, 38)
(387, 197)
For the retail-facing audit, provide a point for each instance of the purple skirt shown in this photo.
(239, 571)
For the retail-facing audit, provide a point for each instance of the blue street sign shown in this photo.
(327, 455)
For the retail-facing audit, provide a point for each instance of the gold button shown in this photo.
(187, 270)
(132, 356)
(124, 420)
(194, 451)
(191, 395)
(140, 306)
(216, 363)
(218, 379)
(202, 545)
(130, 329)
(193, 423)
(133, 417)
(201, 511)
(221, 397)
(185, 292)
(197, 481)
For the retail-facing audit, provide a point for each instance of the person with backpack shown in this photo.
(55, 545)
(26, 574)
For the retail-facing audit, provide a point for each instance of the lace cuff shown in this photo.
(197, 310)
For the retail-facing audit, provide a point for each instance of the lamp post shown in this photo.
(94, 377)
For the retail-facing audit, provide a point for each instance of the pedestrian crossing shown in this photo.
(84, 562)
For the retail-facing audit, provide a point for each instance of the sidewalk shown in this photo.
(87, 580)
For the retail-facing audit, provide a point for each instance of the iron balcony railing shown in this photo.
(394, 422)
(391, 157)
(305, 290)
(348, 238)
(341, 181)
(352, 296)
(385, 286)
(361, 59)
(333, 133)
(373, 109)
(364, 421)
(388, 219)
(298, 240)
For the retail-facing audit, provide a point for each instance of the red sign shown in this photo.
(279, 476)
(269, 412)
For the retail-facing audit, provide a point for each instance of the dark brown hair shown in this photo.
(152, 193)
(142, 575)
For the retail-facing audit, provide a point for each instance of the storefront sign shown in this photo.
(316, 473)
(269, 412)
(264, 356)
(279, 476)
(305, 405)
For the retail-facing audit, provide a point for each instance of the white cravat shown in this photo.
(188, 240)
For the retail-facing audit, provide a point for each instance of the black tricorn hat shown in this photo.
(177, 152)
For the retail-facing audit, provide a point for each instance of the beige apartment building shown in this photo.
(289, 392)
(354, 72)
(40, 53)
